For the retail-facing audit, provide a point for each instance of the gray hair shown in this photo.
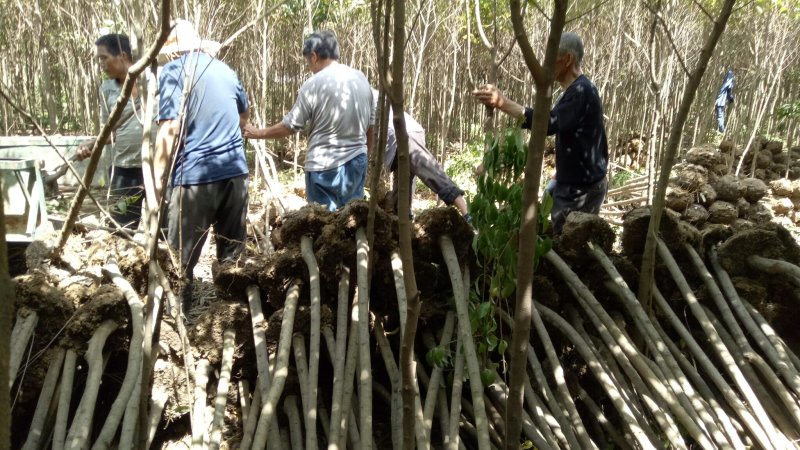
(571, 43)
(323, 43)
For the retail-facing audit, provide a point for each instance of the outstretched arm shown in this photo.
(491, 96)
(277, 131)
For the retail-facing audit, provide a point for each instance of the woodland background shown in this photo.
(48, 66)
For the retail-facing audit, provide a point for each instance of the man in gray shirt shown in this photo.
(336, 104)
(422, 165)
(127, 180)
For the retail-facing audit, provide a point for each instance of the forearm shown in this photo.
(165, 142)
(243, 118)
(511, 108)
(490, 96)
(277, 131)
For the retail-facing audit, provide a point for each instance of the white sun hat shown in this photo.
(184, 38)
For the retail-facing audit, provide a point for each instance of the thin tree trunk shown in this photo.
(671, 151)
(407, 363)
(528, 233)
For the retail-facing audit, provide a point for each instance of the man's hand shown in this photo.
(277, 131)
(489, 95)
(84, 150)
(249, 131)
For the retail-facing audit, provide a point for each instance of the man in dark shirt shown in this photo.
(577, 121)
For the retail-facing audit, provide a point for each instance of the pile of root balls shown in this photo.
(299, 347)
(705, 190)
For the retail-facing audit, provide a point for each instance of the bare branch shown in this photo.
(481, 32)
(539, 8)
(531, 61)
(704, 10)
(252, 23)
(413, 26)
(502, 59)
(651, 55)
(657, 16)
(587, 12)
(735, 10)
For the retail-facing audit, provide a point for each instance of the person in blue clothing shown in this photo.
(201, 133)
(724, 97)
(577, 121)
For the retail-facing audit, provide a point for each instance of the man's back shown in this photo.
(212, 149)
(581, 144)
(336, 103)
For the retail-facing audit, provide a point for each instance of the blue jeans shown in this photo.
(335, 187)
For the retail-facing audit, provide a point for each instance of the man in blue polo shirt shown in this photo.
(577, 121)
(202, 128)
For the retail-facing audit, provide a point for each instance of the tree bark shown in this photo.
(671, 151)
(528, 233)
(407, 363)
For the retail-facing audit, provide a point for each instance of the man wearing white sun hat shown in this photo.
(202, 106)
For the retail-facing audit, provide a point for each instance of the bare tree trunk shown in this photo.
(671, 150)
(407, 363)
(528, 232)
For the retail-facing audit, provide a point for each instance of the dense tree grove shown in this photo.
(658, 66)
(451, 47)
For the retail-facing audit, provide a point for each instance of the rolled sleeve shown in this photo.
(526, 124)
(241, 98)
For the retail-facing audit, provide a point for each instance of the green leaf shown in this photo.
(543, 246)
(491, 342)
(122, 206)
(487, 377)
(526, 445)
(484, 309)
(438, 357)
(502, 346)
(508, 288)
